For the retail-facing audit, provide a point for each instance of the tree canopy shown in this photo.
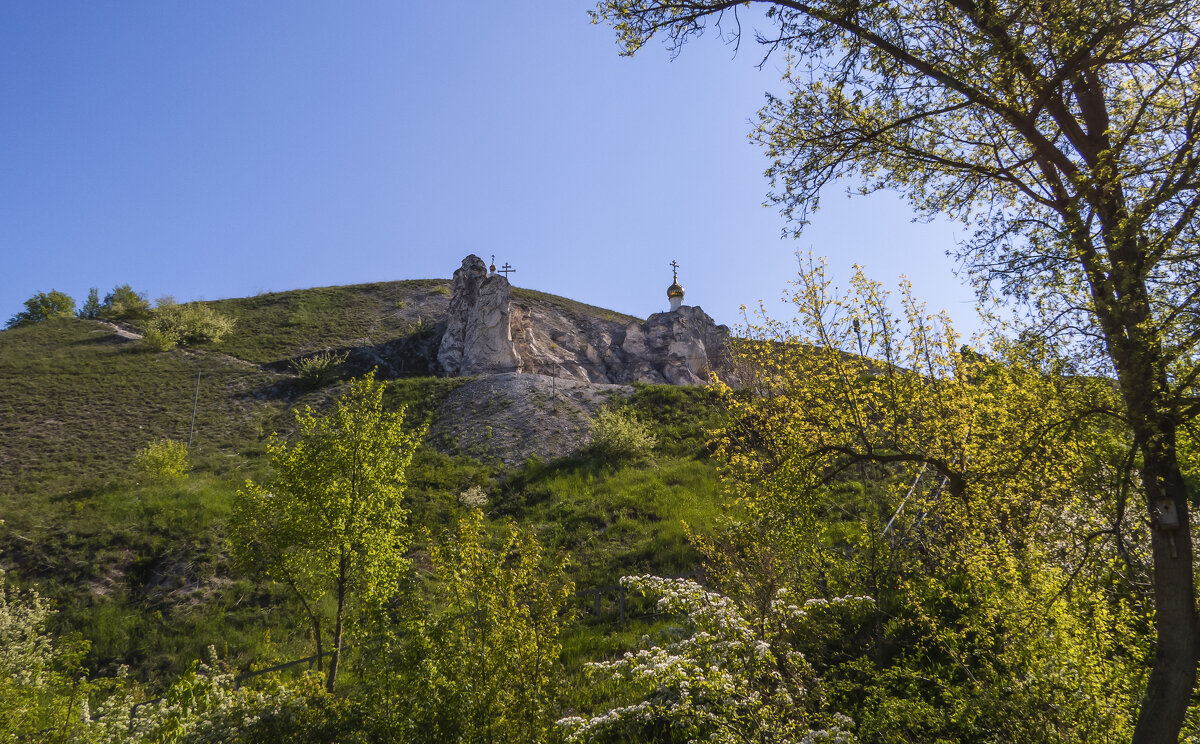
(43, 306)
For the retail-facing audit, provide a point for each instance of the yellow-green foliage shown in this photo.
(123, 303)
(330, 522)
(161, 461)
(979, 525)
(43, 306)
(617, 434)
(172, 325)
(39, 674)
(481, 661)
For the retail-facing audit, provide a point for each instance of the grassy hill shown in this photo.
(141, 569)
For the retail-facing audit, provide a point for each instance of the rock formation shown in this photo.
(488, 332)
(680, 347)
(478, 338)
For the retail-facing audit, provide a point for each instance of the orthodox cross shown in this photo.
(505, 269)
(674, 271)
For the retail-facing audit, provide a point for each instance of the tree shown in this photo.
(1064, 134)
(330, 523)
(42, 307)
(123, 303)
(91, 306)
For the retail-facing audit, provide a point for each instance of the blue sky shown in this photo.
(221, 149)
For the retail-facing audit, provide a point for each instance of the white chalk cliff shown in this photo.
(489, 332)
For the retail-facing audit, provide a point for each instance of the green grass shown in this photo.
(78, 402)
(280, 325)
(571, 306)
(142, 573)
(421, 396)
(616, 521)
(684, 417)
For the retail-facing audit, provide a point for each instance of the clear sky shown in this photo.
(221, 149)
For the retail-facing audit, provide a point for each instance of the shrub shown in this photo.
(618, 434)
(421, 328)
(43, 306)
(172, 325)
(122, 303)
(474, 497)
(479, 659)
(161, 461)
(734, 676)
(159, 340)
(318, 369)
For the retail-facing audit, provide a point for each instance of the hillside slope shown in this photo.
(141, 569)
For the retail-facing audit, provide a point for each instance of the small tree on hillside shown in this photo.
(91, 306)
(122, 303)
(43, 306)
(330, 522)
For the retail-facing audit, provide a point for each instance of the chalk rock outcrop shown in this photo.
(514, 416)
(681, 347)
(478, 338)
(488, 332)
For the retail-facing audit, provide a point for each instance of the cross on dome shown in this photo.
(675, 291)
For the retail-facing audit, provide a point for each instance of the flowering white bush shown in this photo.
(37, 673)
(46, 696)
(203, 705)
(734, 678)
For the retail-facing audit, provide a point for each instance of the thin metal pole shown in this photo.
(195, 400)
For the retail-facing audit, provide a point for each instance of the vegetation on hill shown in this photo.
(139, 565)
(278, 326)
(42, 307)
(571, 307)
(856, 555)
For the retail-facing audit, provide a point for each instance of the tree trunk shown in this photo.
(1145, 389)
(1173, 676)
(336, 658)
(320, 649)
(1135, 346)
(312, 617)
